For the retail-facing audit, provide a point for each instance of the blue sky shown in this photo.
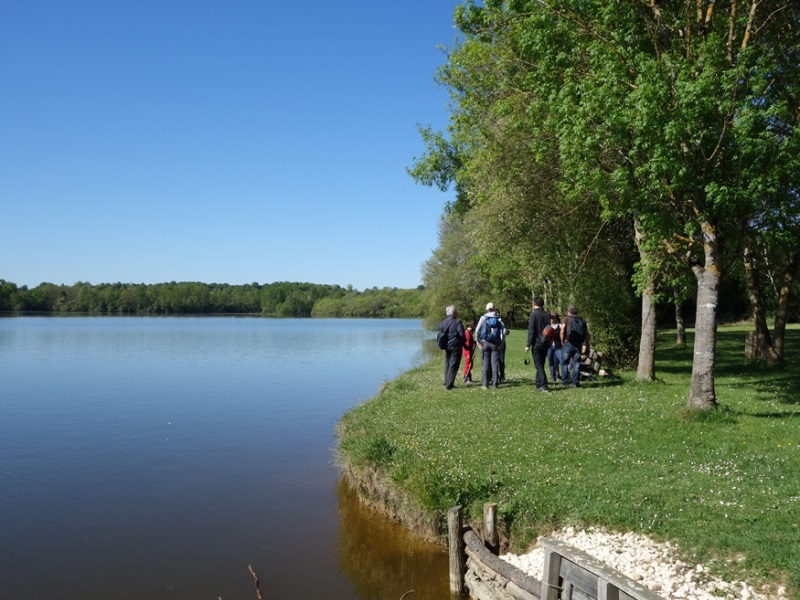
(226, 142)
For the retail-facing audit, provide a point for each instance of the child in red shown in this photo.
(469, 350)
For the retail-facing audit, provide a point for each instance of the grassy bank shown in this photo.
(618, 454)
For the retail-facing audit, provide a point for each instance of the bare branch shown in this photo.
(731, 30)
(769, 16)
(687, 36)
(588, 250)
(750, 27)
(719, 141)
(709, 14)
(256, 582)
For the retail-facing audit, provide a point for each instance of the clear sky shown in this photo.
(226, 142)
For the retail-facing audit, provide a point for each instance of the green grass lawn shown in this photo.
(624, 455)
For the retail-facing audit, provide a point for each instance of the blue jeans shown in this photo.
(554, 360)
(570, 355)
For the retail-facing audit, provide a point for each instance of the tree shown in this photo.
(452, 274)
(680, 114)
(8, 294)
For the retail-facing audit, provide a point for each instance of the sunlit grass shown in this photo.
(620, 454)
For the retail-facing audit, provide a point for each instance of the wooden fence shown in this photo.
(568, 573)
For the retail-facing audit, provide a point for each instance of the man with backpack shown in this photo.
(539, 341)
(490, 333)
(574, 337)
(451, 340)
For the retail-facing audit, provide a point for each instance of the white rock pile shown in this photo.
(650, 563)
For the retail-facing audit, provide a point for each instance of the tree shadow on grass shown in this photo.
(773, 383)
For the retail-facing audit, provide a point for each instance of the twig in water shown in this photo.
(406, 594)
(255, 580)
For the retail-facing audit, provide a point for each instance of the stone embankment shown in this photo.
(651, 563)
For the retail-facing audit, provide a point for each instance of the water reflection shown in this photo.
(157, 457)
(382, 559)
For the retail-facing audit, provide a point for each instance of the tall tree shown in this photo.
(683, 114)
(452, 275)
(503, 163)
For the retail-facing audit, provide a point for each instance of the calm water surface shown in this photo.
(159, 457)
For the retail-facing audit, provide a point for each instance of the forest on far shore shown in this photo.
(279, 299)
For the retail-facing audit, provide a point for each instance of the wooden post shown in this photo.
(550, 574)
(490, 537)
(455, 542)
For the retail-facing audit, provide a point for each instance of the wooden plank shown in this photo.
(579, 576)
(482, 589)
(495, 565)
(518, 593)
(551, 581)
(625, 584)
(607, 590)
(477, 571)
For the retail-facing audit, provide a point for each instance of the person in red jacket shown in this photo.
(468, 351)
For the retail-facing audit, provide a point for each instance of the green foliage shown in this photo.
(280, 299)
(620, 454)
(9, 296)
(453, 274)
(572, 118)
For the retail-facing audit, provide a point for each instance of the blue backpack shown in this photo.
(493, 330)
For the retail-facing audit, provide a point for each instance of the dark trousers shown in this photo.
(490, 364)
(539, 352)
(452, 360)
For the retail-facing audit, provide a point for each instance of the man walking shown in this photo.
(453, 329)
(537, 342)
(490, 334)
(574, 337)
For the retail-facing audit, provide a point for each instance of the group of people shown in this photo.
(549, 340)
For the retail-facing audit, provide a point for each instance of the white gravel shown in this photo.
(650, 563)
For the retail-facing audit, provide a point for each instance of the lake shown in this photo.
(160, 457)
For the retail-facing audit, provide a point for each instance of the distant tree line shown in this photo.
(280, 299)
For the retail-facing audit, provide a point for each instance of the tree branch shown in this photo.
(593, 33)
(750, 27)
(709, 14)
(731, 30)
(256, 582)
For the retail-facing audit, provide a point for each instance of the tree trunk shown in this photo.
(701, 394)
(680, 324)
(759, 346)
(782, 314)
(646, 371)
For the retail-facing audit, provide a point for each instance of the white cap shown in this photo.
(490, 306)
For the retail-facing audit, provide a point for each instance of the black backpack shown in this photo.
(576, 331)
(443, 337)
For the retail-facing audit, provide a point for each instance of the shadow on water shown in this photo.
(382, 559)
